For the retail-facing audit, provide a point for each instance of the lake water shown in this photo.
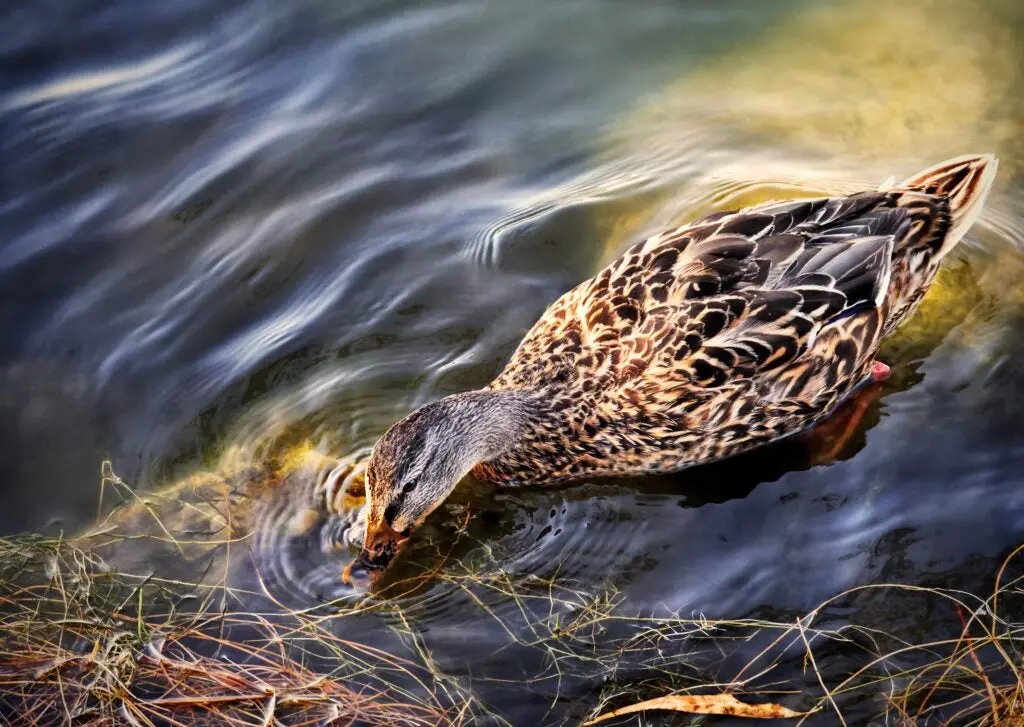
(234, 228)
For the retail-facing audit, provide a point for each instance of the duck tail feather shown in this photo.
(964, 182)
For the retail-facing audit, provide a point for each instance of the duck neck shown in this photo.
(485, 424)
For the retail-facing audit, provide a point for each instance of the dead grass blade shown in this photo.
(724, 704)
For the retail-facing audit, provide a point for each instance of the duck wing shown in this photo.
(731, 296)
(826, 274)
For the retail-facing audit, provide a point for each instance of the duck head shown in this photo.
(415, 466)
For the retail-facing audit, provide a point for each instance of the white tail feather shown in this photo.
(965, 181)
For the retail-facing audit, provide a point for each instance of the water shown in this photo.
(233, 228)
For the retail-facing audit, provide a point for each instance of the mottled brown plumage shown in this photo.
(696, 344)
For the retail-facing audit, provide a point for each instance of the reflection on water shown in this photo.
(879, 83)
(243, 238)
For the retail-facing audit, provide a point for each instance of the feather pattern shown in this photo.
(730, 332)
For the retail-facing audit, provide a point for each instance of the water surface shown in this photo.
(234, 228)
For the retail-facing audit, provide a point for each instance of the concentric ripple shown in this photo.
(297, 547)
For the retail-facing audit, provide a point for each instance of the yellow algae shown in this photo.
(276, 449)
(299, 456)
(619, 225)
(217, 496)
(1005, 275)
(950, 301)
(862, 79)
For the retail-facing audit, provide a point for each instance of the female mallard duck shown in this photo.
(697, 344)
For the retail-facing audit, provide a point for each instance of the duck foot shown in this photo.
(880, 372)
(828, 439)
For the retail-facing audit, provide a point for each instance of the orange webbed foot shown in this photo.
(828, 439)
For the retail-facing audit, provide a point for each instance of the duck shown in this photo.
(699, 343)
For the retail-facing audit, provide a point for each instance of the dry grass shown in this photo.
(967, 678)
(81, 643)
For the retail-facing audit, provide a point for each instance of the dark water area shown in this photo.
(236, 228)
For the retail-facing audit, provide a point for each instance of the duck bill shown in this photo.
(380, 547)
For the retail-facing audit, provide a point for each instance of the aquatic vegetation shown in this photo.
(822, 101)
(87, 639)
(82, 643)
(973, 677)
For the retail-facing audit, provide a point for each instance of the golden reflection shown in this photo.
(903, 84)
